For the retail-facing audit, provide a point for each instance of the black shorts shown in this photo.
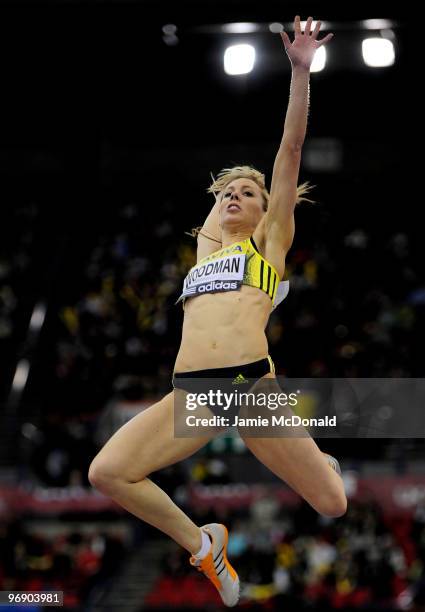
(228, 380)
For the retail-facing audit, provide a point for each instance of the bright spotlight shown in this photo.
(304, 23)
(376, 24)
(378, 52)
(239, 59)
(244, 27)
(276, 27)
(319, 60)
(21, 375)
(37, 317)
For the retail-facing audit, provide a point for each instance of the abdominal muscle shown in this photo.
(224, 329)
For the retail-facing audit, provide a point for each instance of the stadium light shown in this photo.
(304, 23)
(21, 375)
(239, 59)
(276, 27)
(378, 52)
(243, 27)
(38, 316)
(376, 24)
(169, 29)
(319, 60)
(170, 37)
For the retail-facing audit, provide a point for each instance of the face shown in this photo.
(242, 205)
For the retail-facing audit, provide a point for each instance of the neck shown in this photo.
(228, 237)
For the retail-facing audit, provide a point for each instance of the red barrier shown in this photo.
(395, 495)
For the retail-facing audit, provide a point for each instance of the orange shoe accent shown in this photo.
(207, 567)
(216, 565)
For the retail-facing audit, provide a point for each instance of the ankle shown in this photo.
(205, 546)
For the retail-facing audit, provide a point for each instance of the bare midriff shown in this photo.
(224, 329)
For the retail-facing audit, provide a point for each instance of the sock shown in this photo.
(205, 547)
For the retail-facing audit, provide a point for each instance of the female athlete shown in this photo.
(223, 337)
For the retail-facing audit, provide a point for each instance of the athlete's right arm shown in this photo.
(209, 237)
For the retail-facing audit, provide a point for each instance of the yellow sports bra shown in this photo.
(231, 267)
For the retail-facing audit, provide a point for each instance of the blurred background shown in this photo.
(113, 116)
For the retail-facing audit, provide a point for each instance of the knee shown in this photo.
(332, 504)
(102, 475)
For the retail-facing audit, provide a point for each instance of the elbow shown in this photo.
(293, 146)
(290, 148)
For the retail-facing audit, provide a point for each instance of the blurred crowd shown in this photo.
(17, 290)
(356, 306)
(123, 322)
(71, 561)
(291, 560)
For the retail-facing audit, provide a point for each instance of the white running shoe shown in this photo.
(216, 566)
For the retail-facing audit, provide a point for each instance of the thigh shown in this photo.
(293, 457)
(146, 443)
(297, 461)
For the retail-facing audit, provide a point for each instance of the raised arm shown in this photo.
(279, 224)
(209, 236)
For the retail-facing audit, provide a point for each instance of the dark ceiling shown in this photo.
(89, 90)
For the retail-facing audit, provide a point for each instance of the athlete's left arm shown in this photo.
(279, 223)
(209, 237)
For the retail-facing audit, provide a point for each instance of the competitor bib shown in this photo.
(214, 274)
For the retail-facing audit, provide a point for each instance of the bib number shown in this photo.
(222, 274)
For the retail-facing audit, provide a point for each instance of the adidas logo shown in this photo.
(239, 379)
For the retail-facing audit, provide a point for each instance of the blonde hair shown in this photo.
(227, 175)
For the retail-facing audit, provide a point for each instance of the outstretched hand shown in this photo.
(301, 51)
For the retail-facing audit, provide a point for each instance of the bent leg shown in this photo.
(298, 461)
(143, 445)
